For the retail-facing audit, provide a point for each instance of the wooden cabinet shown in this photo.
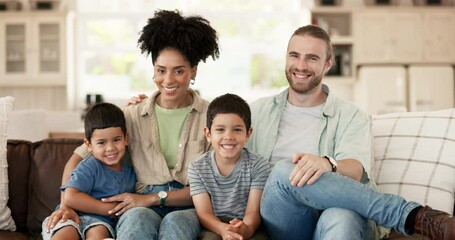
(439, 36)
(338, 24)
(36, 48)
(404, 36)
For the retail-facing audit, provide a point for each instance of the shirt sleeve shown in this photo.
(195, 179)
(82, 151)
(260, 171)
(82, 177)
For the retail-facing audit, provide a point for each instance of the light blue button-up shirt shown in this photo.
(344, 132)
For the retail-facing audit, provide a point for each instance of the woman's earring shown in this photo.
(193, 80)
(153, 78)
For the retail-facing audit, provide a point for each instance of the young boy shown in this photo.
(99, 176)
(226, 183)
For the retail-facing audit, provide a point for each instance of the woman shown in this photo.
(166, 133)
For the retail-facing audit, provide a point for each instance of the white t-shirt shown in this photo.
(297, 132)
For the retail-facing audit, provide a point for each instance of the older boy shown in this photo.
(226, 183)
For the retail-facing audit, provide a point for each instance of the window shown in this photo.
(253, 36)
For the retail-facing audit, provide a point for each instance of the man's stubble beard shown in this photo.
(312, 84)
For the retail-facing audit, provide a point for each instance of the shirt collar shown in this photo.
(198, 103)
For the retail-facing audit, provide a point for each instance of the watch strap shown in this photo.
(333, 163)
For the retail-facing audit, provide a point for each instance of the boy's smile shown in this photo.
(228, 136)
(108, 146)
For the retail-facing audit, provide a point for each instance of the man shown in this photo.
(325, 191)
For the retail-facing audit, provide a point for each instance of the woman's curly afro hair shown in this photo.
(192, 36)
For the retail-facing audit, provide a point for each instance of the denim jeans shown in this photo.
(158, 222)
(293, 212)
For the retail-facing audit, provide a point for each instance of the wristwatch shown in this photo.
(333, 163)
(162, 195)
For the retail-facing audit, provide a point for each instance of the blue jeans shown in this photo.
(158, 222)
(293, 212)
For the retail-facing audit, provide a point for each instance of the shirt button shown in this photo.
(180, 145)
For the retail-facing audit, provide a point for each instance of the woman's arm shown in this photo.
(177, 198)
(83, 202)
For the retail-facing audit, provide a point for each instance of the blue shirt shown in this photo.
(93, 178)
(344, 131)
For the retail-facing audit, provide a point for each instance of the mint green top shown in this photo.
(170, 125)
(344, 131)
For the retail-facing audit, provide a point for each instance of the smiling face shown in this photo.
(228, 135)
(173, 74)
(108, 146)
(306, 63)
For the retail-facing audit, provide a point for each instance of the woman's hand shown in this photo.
(128, 200)
(63, 213)
(136, 100)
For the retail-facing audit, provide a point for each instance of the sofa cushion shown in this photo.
(6, 221)
(19, 158)
(49, 158)
(415, 156)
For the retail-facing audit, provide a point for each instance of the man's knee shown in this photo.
(340, 222)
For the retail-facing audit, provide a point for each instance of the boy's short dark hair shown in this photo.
(229, 103)
(103, 115)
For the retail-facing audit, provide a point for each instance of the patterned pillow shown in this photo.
(415, 156)
(6, 221)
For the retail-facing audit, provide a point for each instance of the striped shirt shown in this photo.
(229, 194)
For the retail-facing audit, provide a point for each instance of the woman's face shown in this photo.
(173, 74)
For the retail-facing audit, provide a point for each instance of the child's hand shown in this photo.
(238, 226)
(226, 234)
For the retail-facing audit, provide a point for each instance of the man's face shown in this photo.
(306, 63)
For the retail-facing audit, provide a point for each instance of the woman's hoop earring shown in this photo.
(154, 79)
(193, 80)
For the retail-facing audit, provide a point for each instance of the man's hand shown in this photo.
(136, 100)
(308, 169)
(63, 213)
(127, 201)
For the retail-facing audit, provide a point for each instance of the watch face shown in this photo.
(162, 194)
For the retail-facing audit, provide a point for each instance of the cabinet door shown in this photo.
(406, 34)
(371, 36)
(382, 89)
(16, 45)
(383, 37)
(431, 88)
(50, 47)
(35, 50)
(439, 37)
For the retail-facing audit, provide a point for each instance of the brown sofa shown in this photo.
(35, 173)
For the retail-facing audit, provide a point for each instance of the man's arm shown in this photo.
(309, 168)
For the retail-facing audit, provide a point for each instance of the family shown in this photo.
(174, 166)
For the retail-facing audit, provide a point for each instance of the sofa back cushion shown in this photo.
(49, 158)
(415, 156)
(19, 159)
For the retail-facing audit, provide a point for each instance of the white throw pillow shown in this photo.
(415, 156)
(6, 221)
